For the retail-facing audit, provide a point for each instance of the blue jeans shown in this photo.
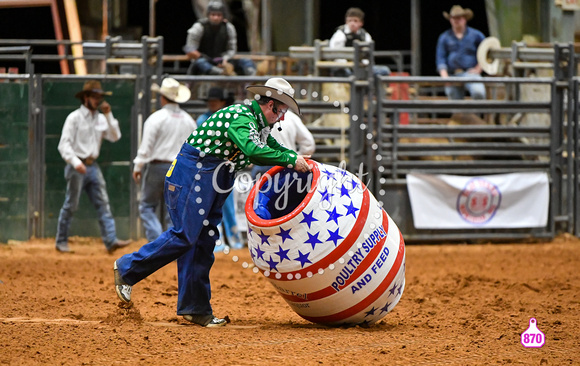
(152, 183)
(381, 70)
(476, 90)
(259, 170)
(94, 184)
(195, 206)
(229, 220)
(203, 66)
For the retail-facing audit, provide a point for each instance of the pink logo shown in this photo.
(533, 337)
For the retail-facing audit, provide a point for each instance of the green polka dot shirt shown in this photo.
(239, 133)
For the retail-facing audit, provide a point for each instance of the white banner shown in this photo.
(518, 200)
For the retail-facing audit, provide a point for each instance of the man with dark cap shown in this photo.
(196, 186)
(456, 54)
(216, 99)
(80, 144)
(212, 43)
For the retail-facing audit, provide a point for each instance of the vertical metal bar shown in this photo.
(36, 157)
(399, 61)
(159, 71)
(108, 51)
(395, 146)
(29, 68)
(266, 26)
(416, 37)
(309, 21)
(371, 157)
(32, 155)
(515, 72)
(576, 170)
(556, 142)
(41, 116)
(352, 121)
(317, 56)
(356, 118)
(142, 98)
(569, 139)
(152, 18)
(145, 68)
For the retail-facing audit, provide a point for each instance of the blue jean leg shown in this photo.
(195, 209)
(201, 66)
(259, 170)
(229, 220)
(476, 90)
(96, 189)
(152, 198)
(193, 267)
(382, 70)
(74, 188)
(94, 184)
(455, 92)
(244, 66)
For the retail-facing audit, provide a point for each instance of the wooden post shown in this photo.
(74, 31)
(105, 30)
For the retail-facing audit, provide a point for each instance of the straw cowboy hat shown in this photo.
(92, 86)
(458, 11)
(279, 89)
(172, 90)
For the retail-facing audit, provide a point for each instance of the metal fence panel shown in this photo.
(114, 160)
(470, 150)
(14, 158)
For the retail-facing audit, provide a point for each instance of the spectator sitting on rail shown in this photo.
(212, 44)
(456, 54)
(346, 34)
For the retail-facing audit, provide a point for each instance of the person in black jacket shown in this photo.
(346, 34)
(212, 43)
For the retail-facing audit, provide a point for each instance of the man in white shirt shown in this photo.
(163, 134)
(80, 144)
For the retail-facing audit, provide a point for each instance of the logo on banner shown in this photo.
(478, 201)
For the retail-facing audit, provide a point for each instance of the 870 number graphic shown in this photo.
(533, 337)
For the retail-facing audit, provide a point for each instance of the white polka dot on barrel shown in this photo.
(334, 255)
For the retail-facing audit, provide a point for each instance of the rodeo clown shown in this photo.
(196, 186)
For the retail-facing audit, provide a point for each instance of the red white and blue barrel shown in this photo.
(333, 254)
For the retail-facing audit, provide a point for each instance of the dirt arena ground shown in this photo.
(462, 305)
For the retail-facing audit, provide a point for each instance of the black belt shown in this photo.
(160, 162)
(89, 161)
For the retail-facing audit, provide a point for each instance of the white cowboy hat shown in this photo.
(172, 90)
(279, 89)
(483, 58)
